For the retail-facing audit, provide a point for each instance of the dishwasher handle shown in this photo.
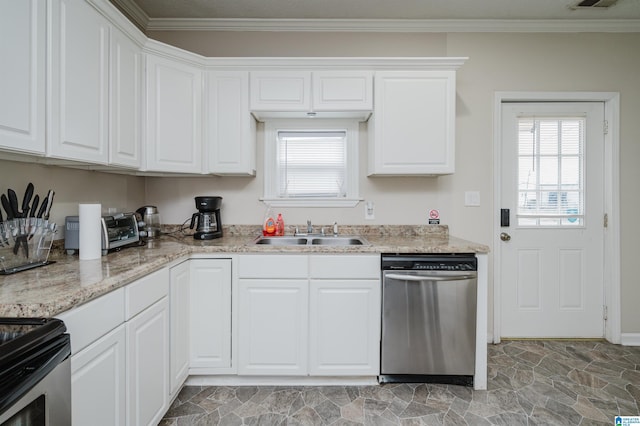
(419, 278)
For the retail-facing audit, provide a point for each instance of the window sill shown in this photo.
(315, 202)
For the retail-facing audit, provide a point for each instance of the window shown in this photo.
(311, 162)
(550, 171)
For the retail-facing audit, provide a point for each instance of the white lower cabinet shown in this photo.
(120, 355)
(179, 319)
(98, 381)
(344, 327)
(344, 315)
(210, 316)
(148, 365)
(315, 315)
(272, 327)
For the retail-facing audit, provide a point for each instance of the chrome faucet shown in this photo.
(309, 227)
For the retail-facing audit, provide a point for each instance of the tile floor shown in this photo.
(530, 383)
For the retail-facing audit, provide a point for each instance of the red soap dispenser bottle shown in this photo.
(279, 226)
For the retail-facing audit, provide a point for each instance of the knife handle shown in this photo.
(49, 204)
(13, 202)
(26, 200)
(43, 207)
(34, 206)
(7, 206)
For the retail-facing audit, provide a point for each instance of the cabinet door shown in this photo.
(344, 328)
(210, 315)
(125, 101)
(342, 90)
(78, 115)
(231, 130)
(413, 123)
(148, 365)
(98, 382)
(272, 327)
(280, 91)
(22, 103)
(179, 317)
(174, 108)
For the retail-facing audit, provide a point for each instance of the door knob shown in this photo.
(504, 236)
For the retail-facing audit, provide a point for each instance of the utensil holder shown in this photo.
(25, 243)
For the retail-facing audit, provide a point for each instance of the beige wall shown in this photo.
(71, 187)
(497, 62)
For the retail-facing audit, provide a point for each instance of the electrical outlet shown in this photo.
(369, 213)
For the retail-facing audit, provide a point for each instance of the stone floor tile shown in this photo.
(587, 410)
(306, 416)
(375, 407)
(313, 396)
(354, 411)
(328, 412)
(245, 393)
(531, 382)
(211, 419)
(336, 394)
(186, 409)
(415, 409)
(509, 419)
(230, 419)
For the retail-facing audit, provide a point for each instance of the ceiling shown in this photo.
(165, 14)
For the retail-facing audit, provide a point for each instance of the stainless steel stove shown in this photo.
(35, 372)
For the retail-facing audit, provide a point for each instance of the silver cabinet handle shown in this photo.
(417, 278)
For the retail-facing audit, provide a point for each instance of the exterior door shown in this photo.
(551, 250)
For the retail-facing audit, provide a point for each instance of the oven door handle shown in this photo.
(420, 278)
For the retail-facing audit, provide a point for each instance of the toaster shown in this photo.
(117, 231)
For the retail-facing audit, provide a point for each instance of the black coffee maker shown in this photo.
(207, 220)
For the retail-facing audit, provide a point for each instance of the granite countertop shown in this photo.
(69, 282)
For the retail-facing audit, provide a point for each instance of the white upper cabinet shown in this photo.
(22, 82)
(328, 94)
(174, 110)
(79, 72)
(412, 128)
(230, 128)
(125, 118)
(280, 91)
(342, 90)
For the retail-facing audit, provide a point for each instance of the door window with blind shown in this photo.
(311, 162)
(551, 171)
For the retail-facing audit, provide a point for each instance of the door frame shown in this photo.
(611, 100)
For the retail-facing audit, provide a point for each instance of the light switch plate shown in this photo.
(472, 198)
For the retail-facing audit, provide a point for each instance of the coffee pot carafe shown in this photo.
(150, 226)
(207, 219)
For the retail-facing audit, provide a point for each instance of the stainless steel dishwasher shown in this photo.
(428, 318)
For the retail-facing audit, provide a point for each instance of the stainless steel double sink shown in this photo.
(313, 241)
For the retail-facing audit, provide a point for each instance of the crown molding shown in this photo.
(343, 63)
(133, 12)
(397, 25)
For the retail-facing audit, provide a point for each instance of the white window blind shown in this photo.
(311, 164)
(550, 171)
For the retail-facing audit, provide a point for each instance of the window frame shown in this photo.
(271, 129)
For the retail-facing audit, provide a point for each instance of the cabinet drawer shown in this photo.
(146, 291)
(88, 322)
(353, 267)
(273, 266)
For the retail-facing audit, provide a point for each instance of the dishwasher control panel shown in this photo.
(452, 262)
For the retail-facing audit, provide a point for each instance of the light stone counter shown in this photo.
(52, 289)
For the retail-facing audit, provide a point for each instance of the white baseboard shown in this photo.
(231, 380)
(630, 339)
